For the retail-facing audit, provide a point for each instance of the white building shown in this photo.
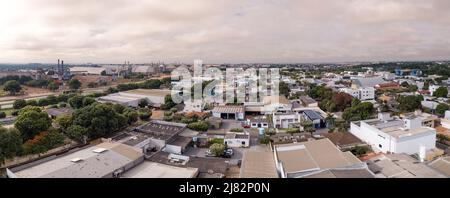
(87, 70)
(432, 89)
(286, 120)
(237, 140)
(155, 97)
(394, 135)
(367, 93)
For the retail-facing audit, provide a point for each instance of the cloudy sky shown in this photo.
(217, 31)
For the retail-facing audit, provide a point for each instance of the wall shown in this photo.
(412, 145)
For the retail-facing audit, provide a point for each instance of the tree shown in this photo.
(355, 102)
(10, 143)
(168, 103)
(143, 103)
(74, 84)
(77, 133)
(12, 87)
(199, 126)
(441, 92)
(88, 101)
(217, 149)
(32, 121)
(441, 108)
(76, 102)
(19, 104)
(284, 89)
(362, 111)
(409, 103)
(404, 84)
(131, 115)
(342, 100)
(32, 103)
(308, 126)
(2, 114)
(145, 114)
(53, 86)
(43, 142)
(360, 150)
(64, 122)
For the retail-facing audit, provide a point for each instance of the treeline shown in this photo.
(149, 84)
(21, 79)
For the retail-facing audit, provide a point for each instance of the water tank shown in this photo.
(262, 131)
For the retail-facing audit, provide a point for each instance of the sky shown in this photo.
(223, 31)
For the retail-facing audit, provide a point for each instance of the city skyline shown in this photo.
(250, 31)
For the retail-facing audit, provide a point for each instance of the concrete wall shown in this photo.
(237, 142)
(412, 145)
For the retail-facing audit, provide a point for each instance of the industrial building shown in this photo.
(155, 97)
(394, 135)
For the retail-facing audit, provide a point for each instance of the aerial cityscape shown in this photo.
(225, 89)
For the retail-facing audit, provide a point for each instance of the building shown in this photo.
(445, 122)
(308, 101)
(104, 160)
(286, 120)
(258, 164)
(400, 166)
(395, 135)
(314, 117)
(161, 135)
(344, 140)
(233, 112)
(366, 93)
(441, 165)
(155, 97)
(367, 82)
(408, 72)
(87, 70)
(307, 158)
(428, 120)
(433, 88)
(237, 140)
(146, 70)
(258, 122)
(149, 169)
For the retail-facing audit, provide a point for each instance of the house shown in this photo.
(388, 86)
(344, 140)
(286, 120)
(400, 166)
(395, 135)
(308, 101)
(233, 112)
(237, 140)
(276, 104)
(428, 120)
(306, 158)
(258, 164)
(314, 117)
(155, 97)
(105, 160)
(258, 122)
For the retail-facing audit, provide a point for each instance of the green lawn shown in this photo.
(7, 111)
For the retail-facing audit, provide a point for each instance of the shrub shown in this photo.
(15, 113)
(264, 140)
(216, 141)
(293, 130)
(19, 104)
(2, 114)
(199, 126)
(217, 149)
(237, 130)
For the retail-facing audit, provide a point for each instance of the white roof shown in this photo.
(156, 170)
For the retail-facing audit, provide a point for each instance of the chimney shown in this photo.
(422, 153)
(58, 66)
(62, 68)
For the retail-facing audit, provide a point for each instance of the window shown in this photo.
(379, 145)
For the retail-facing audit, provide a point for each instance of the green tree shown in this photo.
(76, 102)
(53, 86)
(10, 143)
(131, 115)
(74, 84)
(12, 87)
(77, 133)
(88, 101)
(19, 104)
(199, 126)
(217, 149)
(404, 84)
(64, 122)
(2, 114)
(145, 114)
(284, 89)
(30, 122)
(168, 103)
(409, 103)
(143, 103)
(441, 92)
(441, 108)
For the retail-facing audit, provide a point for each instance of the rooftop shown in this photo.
(161, 130)
(368, 82)
(395, 128)
(258, 164)
(150, 92)
(312, 114)
(59, 111)
(313, 155)
(401, 166)
(156, 170)
(228, 109)
(93, 162)
(307, 100)
(344, 173)
(343, 139)
(442, 165)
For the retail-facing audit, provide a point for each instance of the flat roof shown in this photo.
(312, 114)
(343, 173)
(395, 128)
(343, 138)
(85, 163)
(156, 170)
(312, 155)
(150, 92)
(59, 111)
(160, 129)
(258, 164)
(442, 165)
(401, 166)
(307, 99)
